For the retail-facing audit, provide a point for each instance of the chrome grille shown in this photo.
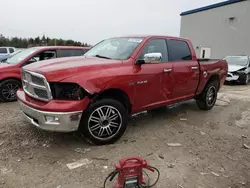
(37, 80)
(35, 85)
(41, 93)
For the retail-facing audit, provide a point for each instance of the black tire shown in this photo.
(107, 123)
(246, 80)
(8, 89)
(205, 100)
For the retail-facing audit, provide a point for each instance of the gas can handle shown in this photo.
(140, 160)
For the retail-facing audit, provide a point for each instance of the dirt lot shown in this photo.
(211, 155)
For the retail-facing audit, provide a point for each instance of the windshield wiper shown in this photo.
(4, 62)
(100, 56)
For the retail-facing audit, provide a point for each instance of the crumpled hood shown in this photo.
(59, 69)
(233, 68)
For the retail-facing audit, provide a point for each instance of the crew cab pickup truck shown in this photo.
(10, 77)
(96, 94)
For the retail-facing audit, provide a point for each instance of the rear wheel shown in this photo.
(207, 99)
(8, 89)
(104, 122)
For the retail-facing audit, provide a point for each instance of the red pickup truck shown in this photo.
(96, 94)
(10, 77)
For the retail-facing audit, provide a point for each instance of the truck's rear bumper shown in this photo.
(55, 121)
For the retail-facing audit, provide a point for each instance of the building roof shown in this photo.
(224, 3)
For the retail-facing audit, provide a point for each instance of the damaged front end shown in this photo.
(240, 76)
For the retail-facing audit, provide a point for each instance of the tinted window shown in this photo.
(156, 46)
(3, 50)
(178, 51)
(11, 50)
(69, 53)
(84, 51)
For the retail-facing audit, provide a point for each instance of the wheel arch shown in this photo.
(10, 78)
(212, 78)
(116, 94)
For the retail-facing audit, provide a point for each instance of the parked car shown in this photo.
(10, 55)
(5, 52)
(238, 69)
(116, 78)
(10, 76)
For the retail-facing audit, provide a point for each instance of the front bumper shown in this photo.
(65, 121)
(236, 77)
(56, 116)
(231, 77)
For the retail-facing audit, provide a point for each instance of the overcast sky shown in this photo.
(93, 20)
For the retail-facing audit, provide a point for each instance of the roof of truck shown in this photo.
(61, 47)
(150, 36)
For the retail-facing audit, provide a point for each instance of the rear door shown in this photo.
(185, 69)
(150, 77)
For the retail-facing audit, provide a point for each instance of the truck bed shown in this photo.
(209, 67)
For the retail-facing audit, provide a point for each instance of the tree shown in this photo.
(37, 41)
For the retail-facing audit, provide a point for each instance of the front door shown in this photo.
(151, 77)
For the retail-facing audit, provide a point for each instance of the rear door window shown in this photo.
(178, 50)
(70, 53)
(3, 51)
(11, 50)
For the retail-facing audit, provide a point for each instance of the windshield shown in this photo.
(114, 48)
(241, 61)
(17, 58)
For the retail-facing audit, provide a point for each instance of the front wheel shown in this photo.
(8, 89)
(104, 122)
(246, 79)
(207, 99)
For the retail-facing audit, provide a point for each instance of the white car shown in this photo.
(238, 69)
(6, 51)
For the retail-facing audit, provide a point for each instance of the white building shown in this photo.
(218, 30)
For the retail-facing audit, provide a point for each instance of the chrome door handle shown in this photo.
(167, 70)
(194, 68)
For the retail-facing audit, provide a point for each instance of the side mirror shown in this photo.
(150, 58)
(153, 57)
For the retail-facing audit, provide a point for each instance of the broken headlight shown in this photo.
(67, 91)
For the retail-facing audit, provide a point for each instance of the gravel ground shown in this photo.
(211, 152)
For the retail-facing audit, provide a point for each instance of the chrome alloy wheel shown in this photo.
(210, 98)
(104, 122)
